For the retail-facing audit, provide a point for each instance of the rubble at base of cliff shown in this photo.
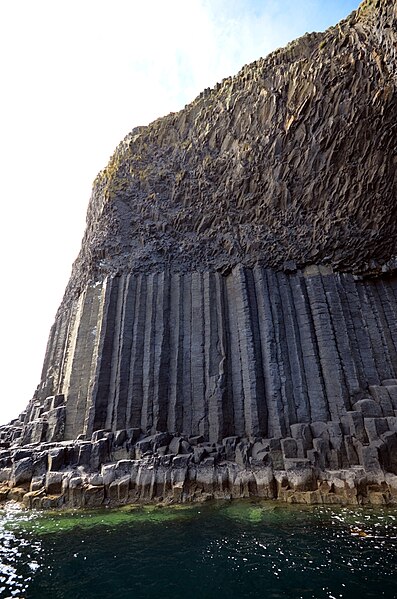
(351, 463)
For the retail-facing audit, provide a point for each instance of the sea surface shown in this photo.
(229, 550)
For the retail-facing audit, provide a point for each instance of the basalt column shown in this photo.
(247, 354)
(238, 273)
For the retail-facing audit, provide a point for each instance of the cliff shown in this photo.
(291, 160)
(232, 311)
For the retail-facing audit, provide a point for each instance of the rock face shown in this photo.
(292, 159)
(247, 354)
(236, 292)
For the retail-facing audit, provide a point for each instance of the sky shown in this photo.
(75, 77)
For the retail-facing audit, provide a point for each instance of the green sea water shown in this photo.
(232, 550)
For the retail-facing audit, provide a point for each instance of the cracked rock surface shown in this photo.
(230, 325)
(291, 160)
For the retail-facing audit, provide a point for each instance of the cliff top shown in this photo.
(290, 162)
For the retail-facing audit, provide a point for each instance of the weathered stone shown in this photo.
(369, 408)
(369, 458)
(375, 427)
(300, 474)
(390, 441)
(259, 451)
(199, 453)
(119, 489)
(93, 496)
(97, 435)
(351, 453)
(75, 492)
(143, 447)
(265, 483)
(303, 432)
(230, 444)
(196, 440)
(99, 453)
(181, 461)
(133, 434)
(53, 483)
(321, 446)
(28, 498)
(357, 429)
(175, 445)
(56, 458)
(378, 498)
(75, 482)
(121, 453)
(160, 440)
(382, 397)
(277, 460)
(40, 463)
(4, 492)
(162, 451)
(185, 447)
(242, 452)
(22, 453)
(123, 467)
(120, 437)
(37, 483)
(319, 430)
(5, 474)
(392, 423)
(84, 454)
(205, 477)
(108, 472)
(289, 448)
(56, 420)
(22, 472)
(56, 401)
(392, 391)
(16, 494)
(95, 479)
(35, 432)
(50, 503)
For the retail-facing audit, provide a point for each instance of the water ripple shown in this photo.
(240, 549)
(19, 553)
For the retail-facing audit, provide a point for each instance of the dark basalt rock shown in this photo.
(289, 163)
(322, 473)
(230, 325)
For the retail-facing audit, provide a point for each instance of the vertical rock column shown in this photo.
(82, 363)
(249, 354)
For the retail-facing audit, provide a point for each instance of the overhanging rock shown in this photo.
(230, 324)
